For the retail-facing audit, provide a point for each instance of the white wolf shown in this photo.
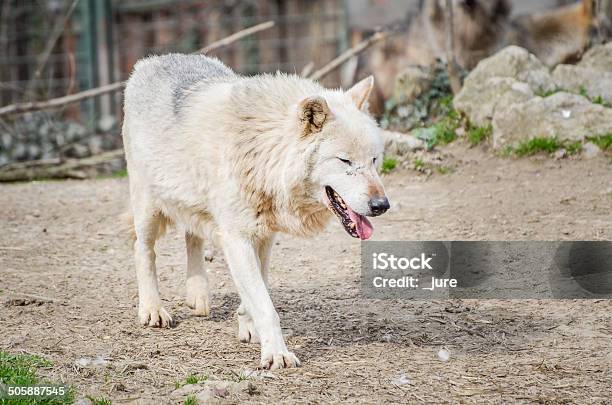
(242, 158)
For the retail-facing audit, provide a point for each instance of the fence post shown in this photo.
(87, 58)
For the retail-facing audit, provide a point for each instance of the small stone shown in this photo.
(106, 123)
(185, 390)
(443, 355)
(590, 150)
(401, 379)
(205, 396)
(560, 153)
(221, 392)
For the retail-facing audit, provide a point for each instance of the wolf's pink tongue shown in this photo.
(364, 226)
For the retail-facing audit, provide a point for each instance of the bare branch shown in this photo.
(109, 88)
(56, 169)
(236, 37)
(346, 55)
(60, 101)
(307, 69)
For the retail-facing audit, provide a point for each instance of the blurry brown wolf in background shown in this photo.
(479, 31)
(481, 27)
(560, 35)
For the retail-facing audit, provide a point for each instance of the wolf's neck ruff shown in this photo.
(271, 161)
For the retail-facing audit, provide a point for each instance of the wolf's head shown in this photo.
(348, 152)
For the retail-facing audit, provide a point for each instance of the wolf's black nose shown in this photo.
(379, 205)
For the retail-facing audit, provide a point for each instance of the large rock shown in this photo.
(512, 75)
(479, 100)
(575, 78)
(599, 57)
(563, 115)
(514, 62)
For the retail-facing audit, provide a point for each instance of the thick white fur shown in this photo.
(240, 158)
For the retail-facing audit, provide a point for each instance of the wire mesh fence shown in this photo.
(53, 48)
(99, 41)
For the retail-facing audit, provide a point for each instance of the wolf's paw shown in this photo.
(154, 315)
(279, 360)
(199, 302)
(246, 330)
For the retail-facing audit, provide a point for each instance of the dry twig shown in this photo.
(346, 55)
(54, 169)
(236, 36)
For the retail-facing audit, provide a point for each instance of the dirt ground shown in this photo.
(60, 240)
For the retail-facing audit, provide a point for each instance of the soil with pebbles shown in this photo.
(68, 293)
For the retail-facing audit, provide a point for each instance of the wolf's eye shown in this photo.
(348, 162)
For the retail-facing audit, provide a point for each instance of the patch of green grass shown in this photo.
(505, 152)
(596, 99)
(238, 377)
(120, 174)
(418, 164)
(447, 126)
(388, 165)
(191, 379)
(603, 141)
(443, 132)
(191, 400)
(444, 169)
(533, 146)
(477, 135)
(573, 147)
(22, 370)
(100, 400)
(547, 93)
(601, 101)
(547, 145)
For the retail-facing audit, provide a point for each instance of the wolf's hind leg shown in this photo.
(148, 224)
(198, 295)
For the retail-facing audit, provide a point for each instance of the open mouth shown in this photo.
(356, 225)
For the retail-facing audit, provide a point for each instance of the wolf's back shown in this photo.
(159, 85)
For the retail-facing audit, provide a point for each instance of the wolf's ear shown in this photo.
(360, 92)
(313, 112)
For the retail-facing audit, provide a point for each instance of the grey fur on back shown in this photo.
(178, 74)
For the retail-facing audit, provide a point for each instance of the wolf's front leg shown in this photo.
(242, 257)
(246, 328)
